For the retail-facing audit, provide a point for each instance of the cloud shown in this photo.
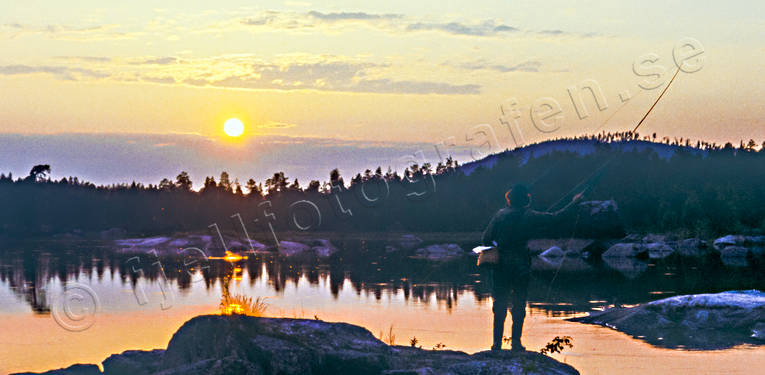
(351, 16)
(157, 61)
(62, 72)
(343, 76)
(65, 32)
(275, 125)
(394, 23)
(551, 32)
(486, 28)
(162, 80)
(531, 66)
(92, 59)
(291, 72)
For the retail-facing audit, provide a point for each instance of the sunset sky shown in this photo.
(366, 76)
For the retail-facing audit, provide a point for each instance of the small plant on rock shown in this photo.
(557, 345)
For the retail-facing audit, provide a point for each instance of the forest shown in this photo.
(659, 186)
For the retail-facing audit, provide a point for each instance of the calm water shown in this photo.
(138, 303)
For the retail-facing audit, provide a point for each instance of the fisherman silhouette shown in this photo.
(511, 228)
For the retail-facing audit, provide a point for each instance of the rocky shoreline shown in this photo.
(700, 321)
(238, 344)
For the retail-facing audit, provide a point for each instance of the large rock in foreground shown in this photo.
(214, 344)
(701, 321)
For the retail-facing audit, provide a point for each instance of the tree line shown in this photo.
(706, 190)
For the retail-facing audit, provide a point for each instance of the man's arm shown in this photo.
(488, 235)
(552, 218)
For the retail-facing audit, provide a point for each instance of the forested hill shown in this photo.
(659, 186)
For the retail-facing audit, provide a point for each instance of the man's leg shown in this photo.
(520, 296)
(501, 295)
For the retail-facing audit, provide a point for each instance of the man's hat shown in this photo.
(518, 196)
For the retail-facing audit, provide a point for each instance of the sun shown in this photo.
(233, 127)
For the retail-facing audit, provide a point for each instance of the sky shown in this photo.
(380, 78)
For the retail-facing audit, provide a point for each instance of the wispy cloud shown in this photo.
(395, 23)
(486, 28)
(275, 125)
(92, 59)
(156, 61)
(295, 72)
(531, 66)
(61, 72)
(352, 16)
(65, 32)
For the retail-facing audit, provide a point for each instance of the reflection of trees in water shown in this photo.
(28, 272)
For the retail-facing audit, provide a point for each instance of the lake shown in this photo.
(66, 302)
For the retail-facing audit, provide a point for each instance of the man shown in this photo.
(511, 228)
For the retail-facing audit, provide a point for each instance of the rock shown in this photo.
(738, 240)
(413, 361)
(599, 207)
(553, 252)
(134, 362)
(596, 219)
(560, 264)
(77, 369)
(572, 247)
(440, 252)
(113, 234)
(692, 247)
(409, 241)
(291, 248)
(658, 238)
(175, 245)
(237, 344)
(734, 252)
(630, 267)
(758, 331)
(625, 250)
(323, 248)
(659, 250)
(311, 250)
(701, 321)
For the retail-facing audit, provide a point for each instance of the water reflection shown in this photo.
(28, 269)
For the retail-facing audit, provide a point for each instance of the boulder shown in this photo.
(738, 240)
(758, 331)
(174, 245)
(439, 252)
(77, 369)
(323, 248)
(291, 249)
(630, 267)
(597, 219)
(734, 252)
(307, 250)
(134, 362)
(553, 252)
(625, 250)
(659, 250)
(701, 321)
(560, 264)
(572, 247)
(692, 247)
(237, 344)
(409, 241)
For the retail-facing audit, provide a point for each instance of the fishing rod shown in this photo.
(656, 102)
(599, 172)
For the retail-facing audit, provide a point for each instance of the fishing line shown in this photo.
(555, 276)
